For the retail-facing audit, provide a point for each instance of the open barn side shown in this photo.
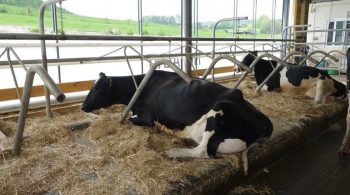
(108, 157)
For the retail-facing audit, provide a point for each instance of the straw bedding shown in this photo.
(112, 158)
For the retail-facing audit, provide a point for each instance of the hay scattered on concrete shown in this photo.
(110, 158)
(284, 109)
(251, 189)
(104, 158)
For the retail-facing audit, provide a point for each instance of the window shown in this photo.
(337, 37)
(330, 33)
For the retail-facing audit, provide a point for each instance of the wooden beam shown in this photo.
(10, 94)
(38, 90)
(40, 111)
(217, 70)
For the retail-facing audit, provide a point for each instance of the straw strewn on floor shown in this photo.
(114, 158)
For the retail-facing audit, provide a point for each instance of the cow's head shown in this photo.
(262, 70)
(341, 89)
(244, 115)
(100, 95)
(250, 57)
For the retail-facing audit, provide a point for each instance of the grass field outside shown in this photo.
(28, 18)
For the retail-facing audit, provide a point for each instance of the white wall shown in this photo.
(321, 13)
(319, 16)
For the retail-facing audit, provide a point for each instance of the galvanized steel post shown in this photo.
(52, 87)
(187, 31)
(43, 48)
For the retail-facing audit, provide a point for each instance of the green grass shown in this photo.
(29, 17)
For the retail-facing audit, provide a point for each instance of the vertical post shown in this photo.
(285, 17)
(43, 52)
(187, 32)
(54, 28)
(234, 22)
(254, 19)
(139, 17)
(273, 19)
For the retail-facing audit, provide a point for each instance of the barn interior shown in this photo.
(49, 146)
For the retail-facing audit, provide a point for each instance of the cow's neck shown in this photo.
(124, 88)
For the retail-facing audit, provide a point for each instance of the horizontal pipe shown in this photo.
(226, 57)
(33, 36)
(339, 44)
(111, 58)
(320, 52)
(115, 44)
(14, 105)
(324, 30)
(35, 102)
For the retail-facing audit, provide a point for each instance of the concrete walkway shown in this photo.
(314, 168)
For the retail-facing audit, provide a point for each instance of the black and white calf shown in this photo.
(305, 80)
(216, 117)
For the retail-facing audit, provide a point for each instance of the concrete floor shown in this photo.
(314, 168)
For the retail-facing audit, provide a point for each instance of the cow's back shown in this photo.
(177, 104)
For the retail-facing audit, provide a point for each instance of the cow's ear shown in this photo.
(102, 74)
(109, 81)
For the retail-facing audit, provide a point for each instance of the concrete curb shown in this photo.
(222, 176)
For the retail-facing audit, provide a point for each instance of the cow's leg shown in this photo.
(311, 93)
(198, 152)
(193, 132)
(245, 161)
(201, 151)
(323, 90)
(142, 119)
(183, 134)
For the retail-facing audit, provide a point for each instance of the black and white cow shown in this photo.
(216, 117)
(305, 80)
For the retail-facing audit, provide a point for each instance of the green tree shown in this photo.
(264, 24)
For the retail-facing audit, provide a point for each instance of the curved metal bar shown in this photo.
(146, 79)
(43, 48)
(197, 50)
(302, 54)
(50, 84)
(127, 61)
(282, 64)
(234, 44)
(227, 57)
(333, 51)
(224, 20)
(272, 46)
(321, 52)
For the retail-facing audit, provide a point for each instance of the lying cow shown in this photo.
(306, 80)
(217, 118)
